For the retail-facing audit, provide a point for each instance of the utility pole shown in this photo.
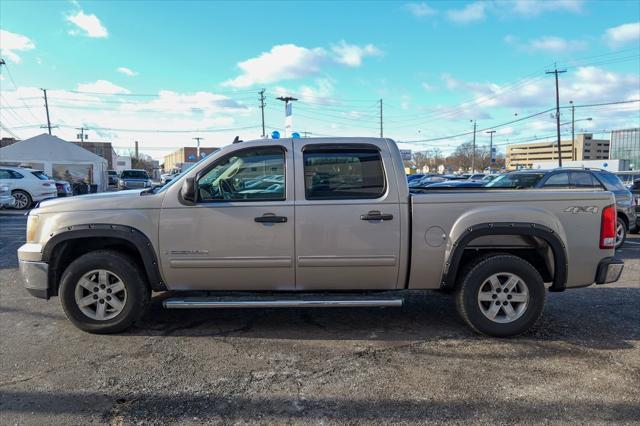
(556, 72)
(136, 151)
(573, 131)
(306, 134)
(82, 129)
(46, 107)
(381, 128)
(198, 139)
(473, 155)
(262, 105)
(288, 118)
(490, 132)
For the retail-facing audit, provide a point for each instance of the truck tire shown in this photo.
(500, 296)
(103, 291)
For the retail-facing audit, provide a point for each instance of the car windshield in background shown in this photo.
(112, 173)
(516, 180)
(134, 174)
(40, 175)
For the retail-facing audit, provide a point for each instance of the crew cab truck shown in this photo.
(315, 222)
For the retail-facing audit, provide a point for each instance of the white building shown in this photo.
(123, 162)
(57, 158)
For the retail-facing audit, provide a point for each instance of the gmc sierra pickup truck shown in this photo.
(313, 223)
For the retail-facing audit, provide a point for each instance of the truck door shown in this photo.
(348, 222)
(239, 233)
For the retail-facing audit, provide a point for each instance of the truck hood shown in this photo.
(121, 200)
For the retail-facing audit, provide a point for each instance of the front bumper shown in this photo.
(36, 278)
(609, 270)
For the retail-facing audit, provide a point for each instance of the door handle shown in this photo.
(376, 215)
(270, 218)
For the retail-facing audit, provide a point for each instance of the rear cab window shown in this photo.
(610, 181)
(338, 173)
(516, 180)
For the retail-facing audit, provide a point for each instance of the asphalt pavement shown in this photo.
(418, 363)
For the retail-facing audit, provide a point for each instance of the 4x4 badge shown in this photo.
(582, 209)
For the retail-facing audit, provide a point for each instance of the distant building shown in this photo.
(625, 145)
(584, 148)
(187, 154)
(123, 162)
(103, 149)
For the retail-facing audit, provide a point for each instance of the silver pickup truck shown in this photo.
(314, 223)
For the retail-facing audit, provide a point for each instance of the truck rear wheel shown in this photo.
(103, 292)
(501, 296)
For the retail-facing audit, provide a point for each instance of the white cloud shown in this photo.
(351, 55)
(622, 34)
(102, 86)
(536, 7)
(288, 62)
(449, 81)
(10, 43)
(420, 10)
(556, 44)
(472, 12)
(282, 62)
(428, 87)
(127, 71)
(88, 25)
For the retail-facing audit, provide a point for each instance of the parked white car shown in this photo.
(27, 185)
(6, 199)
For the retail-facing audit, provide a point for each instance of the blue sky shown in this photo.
(158, 72)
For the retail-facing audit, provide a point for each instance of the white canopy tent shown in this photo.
(57, 158)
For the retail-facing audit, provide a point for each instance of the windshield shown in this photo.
(134, 174)
(112, 173)
(516, 180)
(177, 177)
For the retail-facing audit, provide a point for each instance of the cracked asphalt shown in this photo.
(415, 364)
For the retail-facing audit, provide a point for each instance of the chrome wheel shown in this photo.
(100, 295)
(22, 200)
(503, 297)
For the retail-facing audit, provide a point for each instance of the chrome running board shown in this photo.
(336, 302)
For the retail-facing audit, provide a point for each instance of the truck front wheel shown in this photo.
(501, 296)
(103, 292)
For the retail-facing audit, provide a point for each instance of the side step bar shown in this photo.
(218, 303)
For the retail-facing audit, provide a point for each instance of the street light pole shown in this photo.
(573, 131)
(473, 155)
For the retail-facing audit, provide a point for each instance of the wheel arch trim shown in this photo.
(126, 233)
(558, 248)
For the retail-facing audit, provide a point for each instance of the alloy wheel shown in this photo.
(100, 294)
(503, 297)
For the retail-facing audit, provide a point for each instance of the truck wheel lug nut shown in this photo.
(509, 297)
(95, 289)
(498, 290)
(505, 303)
(495, 296)
(109, 290)
(497, 303)
(95, 296)
(102, 286)
(101, 300)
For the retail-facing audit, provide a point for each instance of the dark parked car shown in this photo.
(411, 178)
(563, 178)
(133, 179)
(64, 188)
(635, 190)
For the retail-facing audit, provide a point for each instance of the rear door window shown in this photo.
(337, 173)
(40, 175)
(584, 180)
(557, 180)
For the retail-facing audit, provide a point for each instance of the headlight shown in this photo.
(122, 183)
(32, 227)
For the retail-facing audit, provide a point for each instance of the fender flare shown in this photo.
(139, 240)
(512, 228)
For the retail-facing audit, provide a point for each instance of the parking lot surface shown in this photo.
(417, 363)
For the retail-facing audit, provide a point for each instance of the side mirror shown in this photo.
(188, 191)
